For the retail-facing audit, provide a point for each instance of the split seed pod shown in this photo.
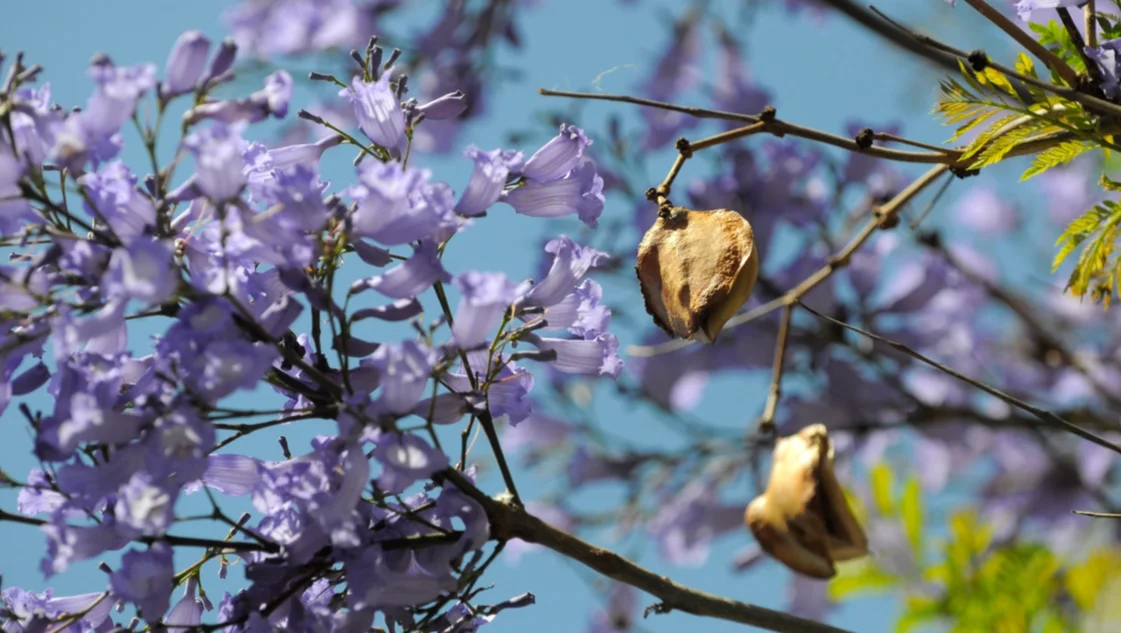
(696, 270)
(803, 518)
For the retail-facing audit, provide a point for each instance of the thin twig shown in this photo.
(509, 521)
(1079, 43)
(1042, 414)
(767, 420)
(170, 539)
(933, 202)
(1088, 13)
(1091, 102)
(1098, 515)
(485, 419)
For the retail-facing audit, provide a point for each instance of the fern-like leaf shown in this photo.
(1058, 155)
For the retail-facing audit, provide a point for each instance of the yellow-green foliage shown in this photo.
(972, 583)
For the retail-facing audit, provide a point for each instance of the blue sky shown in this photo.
(822, 75)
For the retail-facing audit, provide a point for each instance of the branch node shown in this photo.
(962, 172)
(682, 146)
(978, 60)
(865, 138)
(768, 114)
(658, 608)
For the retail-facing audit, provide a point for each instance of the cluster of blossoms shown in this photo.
(231, 258)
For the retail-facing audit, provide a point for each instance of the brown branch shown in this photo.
(1026, 40)
(509, 521)
(1042, 414)
(767, 420)
(1098, 515)
(170, 539)
(873, 23)
(1101, 106)
(1029, 317)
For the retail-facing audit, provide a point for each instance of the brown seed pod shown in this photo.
(803, 518)
(696, 270)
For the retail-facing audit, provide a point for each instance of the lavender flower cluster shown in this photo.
(232, 244)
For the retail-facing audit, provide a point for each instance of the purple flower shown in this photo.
(508, 394)
(185, 64)
(570, 263)
(188, 611)
(1106, 56)
(620, 612)
(271, 100)
(15, 211)
(734, 90)
(228, 365)
(405, 458)
(446, 106)
(397, 205)
(145, 506)
(112, 196)
(144, 579)
(37, 497)
(557, 157)
(485, 298)
(379, 114)
(397, 578)
(34, 124)
(488, 179)
(599, 355)
(222, 61)
(410, 278)
(809, 598)
(144, 271)
(688, 523)
(287, 27)
(29, 612)
(404, 369)
(675, 74)
(218, 159)
(1025, 7)
(581, 312)
(94, 132)
(68, 544)
(230, 474)
(580, 193)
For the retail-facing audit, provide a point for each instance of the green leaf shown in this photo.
(911, 511)
(865, 579)
(882, 494)
(997, 78)
(919, 610)
(1085, 580)
(999, 145)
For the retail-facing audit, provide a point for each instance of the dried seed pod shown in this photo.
(803, 518)
(696, 269)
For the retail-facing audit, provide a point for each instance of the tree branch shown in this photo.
(509, 521)
(1042, 414)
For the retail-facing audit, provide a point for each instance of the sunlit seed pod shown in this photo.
(696, 270)
(803, 519)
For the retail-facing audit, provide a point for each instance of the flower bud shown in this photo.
(697, 269)
(185, 63)
(803, 518)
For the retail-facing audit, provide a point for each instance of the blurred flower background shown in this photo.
(968, 504)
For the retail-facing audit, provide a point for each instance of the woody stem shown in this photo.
(767, 420)
(660, 194)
